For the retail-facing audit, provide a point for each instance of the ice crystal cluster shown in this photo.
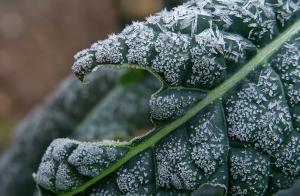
(247, 141)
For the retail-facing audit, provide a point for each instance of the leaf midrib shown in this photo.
(217, 93)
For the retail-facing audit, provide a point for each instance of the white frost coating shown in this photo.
(256, 14)
(132, 179)
(288, 157)
(286, 9)
(46, 175)
(286, 63)
(140, 42)
(83, 61)
(251, 168)
(236, 47)
(207, 157)
(62, 148)
(212, 48)
(206, 68)
(173, 54)
(208, 141)
(66, 178)
(90, 159)
(212, 39)
(186, 17)
(258, 114)
(174, 168)
(171, 105)
(63, 168)
(110, 50)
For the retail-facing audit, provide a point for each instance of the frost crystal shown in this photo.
(140, 42)
(213, 53)
(137, 177)
(250, 168)
(64, 157)
(171, 104)
(66, 178)
(258, 114)
(62, 148)
(208, 65)
(208, 141)
(46, 174)
(172, 57)
(174, 167)
(110, 50)
(286, 9)
(83, 62)
(90, 159)
(288, 157)
(286, 64)
(256, 16)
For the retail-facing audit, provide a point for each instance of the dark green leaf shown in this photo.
(227, 114)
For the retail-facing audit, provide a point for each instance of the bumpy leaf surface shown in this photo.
(227, 116)
(56, 117)
(71, 111)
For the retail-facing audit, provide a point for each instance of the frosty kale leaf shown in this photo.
(73, 110)
(227, 114)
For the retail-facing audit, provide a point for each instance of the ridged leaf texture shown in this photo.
(227, 116)
(73, 110)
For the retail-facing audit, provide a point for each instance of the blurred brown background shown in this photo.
(38, 40)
